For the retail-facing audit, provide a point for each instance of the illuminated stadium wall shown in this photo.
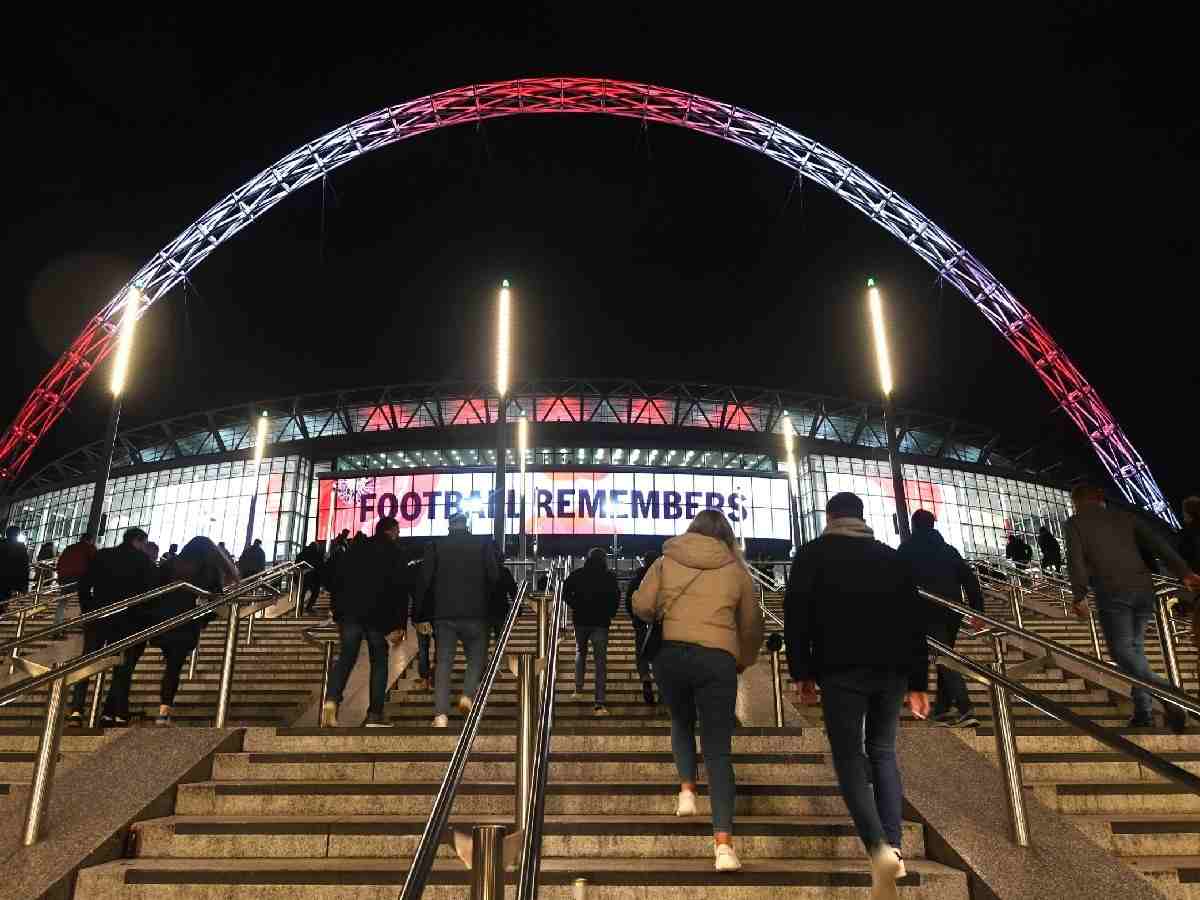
(610, 457)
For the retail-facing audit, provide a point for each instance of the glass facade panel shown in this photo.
(975, 513)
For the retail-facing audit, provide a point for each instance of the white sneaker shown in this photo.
(464, 704)
(726, 859)
(441, 721)
(886, 866)
(686, 805)
(329, 713)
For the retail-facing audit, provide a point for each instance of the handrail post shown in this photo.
(1006, 749)
(487, 862)
(47, 759)
(192, 664)
(1015, 592)
(543, 623)
(227, 661)
(775, 646)
(1095, 632)
(250, 628)
(326, 671)
(12, 666)
(298, 585)
(526, 732)
(97, 693)
(1166, 637)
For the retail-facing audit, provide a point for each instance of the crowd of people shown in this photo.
(856, 629)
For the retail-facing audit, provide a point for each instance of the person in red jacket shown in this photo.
(73, 564)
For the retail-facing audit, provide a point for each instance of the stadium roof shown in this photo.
(617, 402)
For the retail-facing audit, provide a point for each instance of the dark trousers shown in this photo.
(597, 636)
(95, 636)
(309, 593)
(951, 686)
(695, 679)
(639, 637)
(174, 659)
(117, 701)
(1124, 616)
(862, 716)
(352, 635)
(424, 641)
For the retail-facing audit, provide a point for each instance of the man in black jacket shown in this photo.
(253, 559)
(458, 574)
(14, 566)
(856, 626)
(941, 570)
(640, 628)
(115, 574)
(373, 606)
(594, 596)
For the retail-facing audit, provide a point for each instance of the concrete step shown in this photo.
(346, 798)
(1142, 797)
(608, 879)
(241, 837)
(759, 768)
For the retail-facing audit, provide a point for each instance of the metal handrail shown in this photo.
(114, 647)
(531, 844)
(1062, 713)
(128, 603)
(999, 626)
(435, 826)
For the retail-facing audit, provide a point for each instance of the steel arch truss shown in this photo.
(474, 103)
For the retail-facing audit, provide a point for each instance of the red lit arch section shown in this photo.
(598, 96)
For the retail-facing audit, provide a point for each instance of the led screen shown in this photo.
(589, 503)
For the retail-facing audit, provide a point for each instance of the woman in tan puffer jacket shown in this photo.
(712, 630)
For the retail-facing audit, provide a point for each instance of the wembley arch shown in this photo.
(596, 96)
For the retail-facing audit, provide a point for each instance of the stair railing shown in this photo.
(435, 826)
(535, 809)
(61, 675)
(1001, 687)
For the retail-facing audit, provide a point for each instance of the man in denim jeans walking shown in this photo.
(458, 574)
(1107, 550)
(856, 627)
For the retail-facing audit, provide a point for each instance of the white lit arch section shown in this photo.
(473, 103)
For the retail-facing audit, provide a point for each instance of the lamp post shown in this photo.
(502, 354)
(789, 442)
(133, 299)
(260, 443)
(884, 362)
(522, 448)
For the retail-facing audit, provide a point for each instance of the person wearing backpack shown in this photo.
(711, 630)
(458, 575)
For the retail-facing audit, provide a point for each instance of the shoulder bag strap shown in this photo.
(662, 617)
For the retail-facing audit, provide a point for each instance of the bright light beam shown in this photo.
(260, 439)
(502, 339)
(881, 347)
(133, 300)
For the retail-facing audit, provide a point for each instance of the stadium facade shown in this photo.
(607, 457)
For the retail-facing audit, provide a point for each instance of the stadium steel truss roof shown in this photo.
(328, 422)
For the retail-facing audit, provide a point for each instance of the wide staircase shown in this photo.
(305, 812)
(1137, 815)
(278, 674)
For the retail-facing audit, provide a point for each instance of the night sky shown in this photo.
(1060, 150)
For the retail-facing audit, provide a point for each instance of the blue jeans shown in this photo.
(1123, 618)
(695, 679)
(862, 716)
(474, 636)
(353, 634)
(598, 636)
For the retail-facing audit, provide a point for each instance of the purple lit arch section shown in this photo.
(474, 103)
